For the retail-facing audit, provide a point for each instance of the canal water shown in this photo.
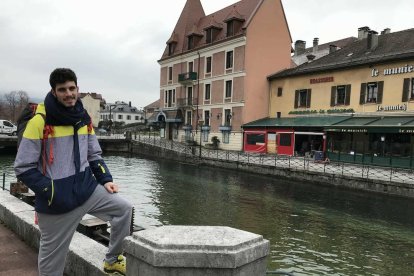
(313, 230)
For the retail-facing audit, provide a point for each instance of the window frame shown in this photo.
(207, 92)
(170, 73)
(229, 59)
(209, 61)
(206, 117)
(371, 95)
(228, 89)
(302, 99)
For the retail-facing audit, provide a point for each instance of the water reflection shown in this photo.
(313, 230)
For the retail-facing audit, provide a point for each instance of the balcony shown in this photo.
(188, 77)
(187, 102)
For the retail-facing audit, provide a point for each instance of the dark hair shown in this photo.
(62, 75)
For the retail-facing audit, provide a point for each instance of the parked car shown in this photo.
(7, 127)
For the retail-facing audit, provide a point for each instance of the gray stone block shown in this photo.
(196, 250)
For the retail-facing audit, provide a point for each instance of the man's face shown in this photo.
(66, 93)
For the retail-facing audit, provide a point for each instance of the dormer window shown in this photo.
(230, 28)
(171, 48)
(209, 35)
(190, 43)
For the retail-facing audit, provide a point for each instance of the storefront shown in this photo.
(298, 136)
(376, 140)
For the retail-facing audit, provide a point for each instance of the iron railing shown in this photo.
(364, 171)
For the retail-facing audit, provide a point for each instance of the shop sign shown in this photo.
(354, 130)
(320, 80)
(398, 107)
(406, 131)
(393, 71)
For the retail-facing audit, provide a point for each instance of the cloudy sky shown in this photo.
(113, 46)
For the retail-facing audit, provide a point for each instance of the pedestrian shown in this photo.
(59, 158)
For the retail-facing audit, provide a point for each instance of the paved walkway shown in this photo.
(16, 257)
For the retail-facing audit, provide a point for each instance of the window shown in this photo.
(230, 28)
(191, 66)
(208, 65)
(207, 92)
(190, 42)
(128, 117)
(190, 95)
(120, 117)
(255, 138)
(170, 72)
(227, 117)
(209, 35)
(371, 92)
(279, 91)
(169, 98)
(408, 89)
(285, 139)
(226, 137)
(171, 48)
(136, 118)
(228, 88)
(7, 124)
(229, 60)
(302, 98)
(340, 95)
(188, 118)
(205, 135)
(207, 117)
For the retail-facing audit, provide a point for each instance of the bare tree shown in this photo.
(13, 104)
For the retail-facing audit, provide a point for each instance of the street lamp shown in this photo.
(200, 123)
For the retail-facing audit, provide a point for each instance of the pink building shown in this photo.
(214, 69)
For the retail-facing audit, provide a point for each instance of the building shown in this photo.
(122, 112)
(214, 67)
(303, 54)
(356, 104)
(92, 102)
(150, 112)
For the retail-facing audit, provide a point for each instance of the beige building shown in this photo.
(214, 68)
(355, 104)
(92, 103)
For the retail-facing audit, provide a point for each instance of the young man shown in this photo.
(69, 177)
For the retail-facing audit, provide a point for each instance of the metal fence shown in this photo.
(391, 174)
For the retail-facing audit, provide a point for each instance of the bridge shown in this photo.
(115, 142)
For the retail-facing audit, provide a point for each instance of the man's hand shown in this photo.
(111, 187)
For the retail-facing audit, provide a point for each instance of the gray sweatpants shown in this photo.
(57, 230)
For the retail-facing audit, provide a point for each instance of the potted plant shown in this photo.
(215, 140)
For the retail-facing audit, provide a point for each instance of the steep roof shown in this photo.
(391, 47)
(193, 16)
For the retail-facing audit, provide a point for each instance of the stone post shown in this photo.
(196, 251)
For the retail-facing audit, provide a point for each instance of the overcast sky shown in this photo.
(113, 46)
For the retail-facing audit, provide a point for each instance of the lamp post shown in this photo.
(110, 116)
(200, 123)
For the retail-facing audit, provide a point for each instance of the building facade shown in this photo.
(213, 75)
(92, 102)
(122, 112)
(355, 104)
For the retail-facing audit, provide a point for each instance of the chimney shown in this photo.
(332, 48)
(129, 104)
(310, 57)
(300, 47)
(386, 31)
(372, 40)
(363, 32)
(315, 44)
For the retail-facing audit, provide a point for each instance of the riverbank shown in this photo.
(389, 181)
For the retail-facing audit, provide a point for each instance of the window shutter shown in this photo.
(363, 91)
(380, 91)
(296, 98)
(308, 97)
(347, 94)
(333, 92)
(406, 90)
